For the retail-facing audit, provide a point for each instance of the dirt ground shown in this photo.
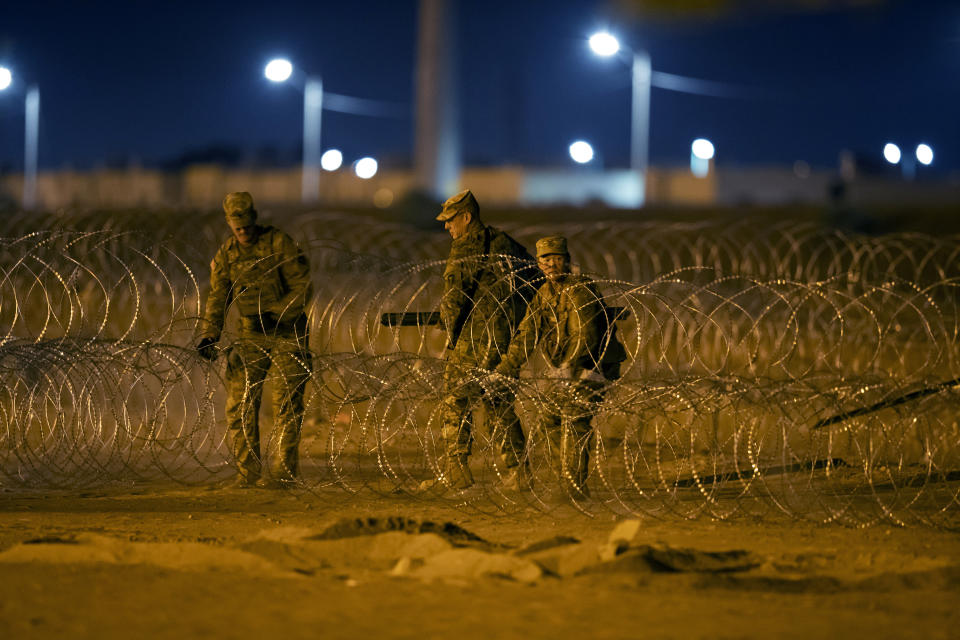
(229, 563)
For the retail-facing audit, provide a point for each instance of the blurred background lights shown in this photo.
(604, 44)
(383, 198)
(365, 168)
(278, 70)
(891, 153)
(581, 152)
(5, 78)
(702, 148)
(331, 160)
(924, 154)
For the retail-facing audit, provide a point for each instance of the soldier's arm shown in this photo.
(524, 342)
(218, 298)
(585, 327)
(453, 299)
(459, 275)
(296, 273)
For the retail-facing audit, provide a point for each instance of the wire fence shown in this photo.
(770, 369)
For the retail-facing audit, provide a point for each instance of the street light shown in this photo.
(280, 70)
(365, 168)
(891, 153)
(701, 153)
(606, 45)
(581, 152)
(31, 138)
(908, 167)
(331, 160)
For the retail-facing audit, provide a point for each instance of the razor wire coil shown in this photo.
(743, 344)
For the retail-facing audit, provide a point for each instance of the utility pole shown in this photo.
(31, 142)
(437, 139)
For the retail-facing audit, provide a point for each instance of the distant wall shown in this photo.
(203, 186)
(776, 186)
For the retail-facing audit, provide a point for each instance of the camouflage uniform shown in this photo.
(269, 284)
(483, 299)
(566, 319)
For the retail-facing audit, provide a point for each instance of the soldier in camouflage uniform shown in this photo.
(486, 286)
(263, 273)
(567, 318)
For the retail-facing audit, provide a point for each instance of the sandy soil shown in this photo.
(202, 562)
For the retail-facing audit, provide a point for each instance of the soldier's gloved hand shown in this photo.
(207, 349)
(496, 384)
(268, 320)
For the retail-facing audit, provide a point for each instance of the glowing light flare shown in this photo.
(581, 152)
(5, 78)
(702, 148)
(604, 44)
(278, 70)
(891, 153)
(924, 154)
(383, 198)
(331, 160)
(365, 168)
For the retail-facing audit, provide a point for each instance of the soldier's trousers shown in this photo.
(287, 360)
(566, 415)
(461, 393)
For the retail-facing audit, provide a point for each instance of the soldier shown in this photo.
(568, 319)
(486, 286)
(263, 273)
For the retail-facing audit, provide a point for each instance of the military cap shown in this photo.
(460, 203)
(552, 245)
(238, 206)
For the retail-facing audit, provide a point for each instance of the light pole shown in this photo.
(606, 45)
(280, 70)
(31, 138)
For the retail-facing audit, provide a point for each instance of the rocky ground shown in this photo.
(204, 562)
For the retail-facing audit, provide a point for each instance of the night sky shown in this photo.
(149, 81)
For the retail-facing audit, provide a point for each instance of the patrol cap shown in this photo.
(460, 203)
(552, 245)
(238, 207)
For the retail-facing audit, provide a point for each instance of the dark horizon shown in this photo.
(151, 83)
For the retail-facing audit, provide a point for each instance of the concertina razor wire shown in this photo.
(785, 370)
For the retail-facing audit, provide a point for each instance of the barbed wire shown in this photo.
(780, 370)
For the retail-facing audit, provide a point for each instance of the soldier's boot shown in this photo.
(246, 478)
(240, 481)
(276, 483)
(515, 478)
(286, 474)
(575, 463)
(577, 486)
(279, 479)
(454, 474)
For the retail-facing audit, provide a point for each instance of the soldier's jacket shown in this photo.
(270, 279)
(566, 319)
(485, 294)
